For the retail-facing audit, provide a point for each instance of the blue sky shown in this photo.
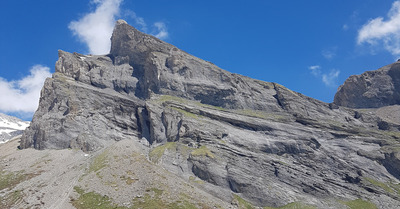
(309, 46)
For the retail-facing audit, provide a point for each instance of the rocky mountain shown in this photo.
(371, 89)
(11, 127)
(149, 111)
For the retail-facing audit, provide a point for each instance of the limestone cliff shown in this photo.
(242, 137)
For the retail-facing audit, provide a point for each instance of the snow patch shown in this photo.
(11, 127)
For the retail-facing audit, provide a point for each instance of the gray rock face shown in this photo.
(164, 69)
(371, 89)
(234, 134)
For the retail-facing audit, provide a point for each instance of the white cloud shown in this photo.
(331, 78)
(162, 30)
(22, 96)
(315, 70)
(139, 21)
(383, 32)
(95, 29)
(329, 53)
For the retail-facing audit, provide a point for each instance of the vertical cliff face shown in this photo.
(237, 135)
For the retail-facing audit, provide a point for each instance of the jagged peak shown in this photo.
(126, 40)
(121, 22)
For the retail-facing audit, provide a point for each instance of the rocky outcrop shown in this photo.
(236, 135)
(371, 89)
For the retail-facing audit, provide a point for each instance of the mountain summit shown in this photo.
(247, 142)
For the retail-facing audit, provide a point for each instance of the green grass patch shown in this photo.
(267, 85)
(153, 200)
(246, 112)
(158, 152)
(263, 115)
(359, 204)
(128, 180)
(148, 202)
(202, 151)
(395, 187)
(11, 200)
(9, 180)
(157, 192)
(92, 200)
(380, 184)
(165, 98)
(197, 181)
(186, 113)
(277, 85)
(182, 205)
(294, 205)
(99, 162)
(242, 203)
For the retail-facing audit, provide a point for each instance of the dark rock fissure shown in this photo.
(144, 124)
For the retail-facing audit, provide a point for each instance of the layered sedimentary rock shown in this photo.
(259, 140)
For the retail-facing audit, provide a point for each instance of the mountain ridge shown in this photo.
(241, 137)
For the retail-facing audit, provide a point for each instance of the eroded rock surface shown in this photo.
(372, 89)
(233, 135)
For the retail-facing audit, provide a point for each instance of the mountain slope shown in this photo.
(70, 178)
(245, 141)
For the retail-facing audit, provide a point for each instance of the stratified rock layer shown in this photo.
(237, 135)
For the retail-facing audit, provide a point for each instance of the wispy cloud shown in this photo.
(22, 96)
(139, 21)
(162, 32)
(315, 70)
(345, 27)
(158, 29)
(329, 53)
(95, 28)
(383, 32)
(329, 79)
